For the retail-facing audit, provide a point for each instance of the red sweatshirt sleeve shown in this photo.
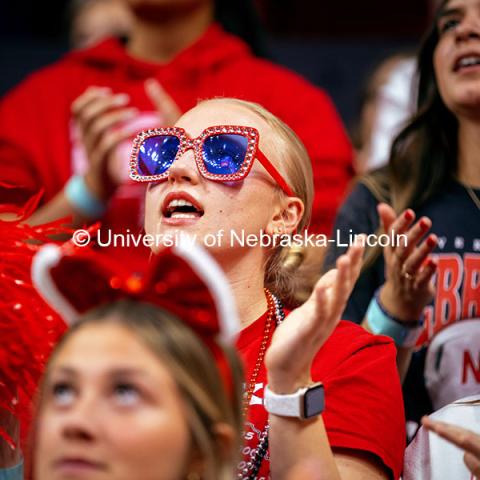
(363, 396)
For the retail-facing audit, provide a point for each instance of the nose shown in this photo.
(184, 169)
(469, 28)
(80, 422)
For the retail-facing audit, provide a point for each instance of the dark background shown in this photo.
(335, 44)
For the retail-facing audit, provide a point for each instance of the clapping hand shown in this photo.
(301, 335)
(409, 271)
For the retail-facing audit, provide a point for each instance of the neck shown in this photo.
(246, 276)
(469, 152)
(159, 35)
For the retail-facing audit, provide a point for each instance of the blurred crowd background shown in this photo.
(336, 45)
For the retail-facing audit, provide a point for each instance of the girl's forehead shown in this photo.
(208, 114)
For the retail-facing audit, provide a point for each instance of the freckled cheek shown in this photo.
(152, 212)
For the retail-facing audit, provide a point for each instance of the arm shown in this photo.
(300, 336)
(100, 117)
(408, 286)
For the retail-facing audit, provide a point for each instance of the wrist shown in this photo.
(97, 187)
(401, 310)
(286, 384)
(83, 199)
(304, 403)
(381, 322)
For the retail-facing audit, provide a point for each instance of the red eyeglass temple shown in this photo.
(274, 173)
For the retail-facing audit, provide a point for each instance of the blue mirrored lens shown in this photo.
(157, 154)
(224, 154)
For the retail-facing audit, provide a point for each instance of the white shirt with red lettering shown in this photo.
(430, 457)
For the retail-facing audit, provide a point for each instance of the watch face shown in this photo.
(313, 401)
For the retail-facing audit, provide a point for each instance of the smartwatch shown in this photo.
(305, 403)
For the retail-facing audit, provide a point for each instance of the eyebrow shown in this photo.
(446, 12)
(115, 372)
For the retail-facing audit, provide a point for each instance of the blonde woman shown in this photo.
(229, 169)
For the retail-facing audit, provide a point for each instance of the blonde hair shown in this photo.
(191, 365)
(283, 273)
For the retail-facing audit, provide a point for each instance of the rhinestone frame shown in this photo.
(196, 144)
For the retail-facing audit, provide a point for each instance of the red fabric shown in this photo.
(363, 397)
(29, 328)
(35, 130)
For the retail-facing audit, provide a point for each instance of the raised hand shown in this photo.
(408, 284)
(100, 117)
(301, 335)
(164, 103)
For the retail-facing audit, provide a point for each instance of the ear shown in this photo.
(287, 214)
(225, 439)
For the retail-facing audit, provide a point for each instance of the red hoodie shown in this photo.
(37, 141)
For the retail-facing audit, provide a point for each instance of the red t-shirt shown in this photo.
(363, 397)
(38, 146)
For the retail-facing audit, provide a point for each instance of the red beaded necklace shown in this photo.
(261, 353)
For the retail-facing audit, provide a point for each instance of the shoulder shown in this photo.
(359, 210)
(363, 397)
(360, 197)
(276, 82)
(69, 68)
(349, 340)
(36, 84)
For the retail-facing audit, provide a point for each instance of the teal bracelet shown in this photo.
(12, 473)
(82, 199)
(381, 323)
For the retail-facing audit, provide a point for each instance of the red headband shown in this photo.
(183, 280)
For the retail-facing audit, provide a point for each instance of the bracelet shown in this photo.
(404, 334)
(12, 473)
(82, 199)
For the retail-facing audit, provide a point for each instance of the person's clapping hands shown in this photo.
(408, 284)
(103, 118)
(301, 335)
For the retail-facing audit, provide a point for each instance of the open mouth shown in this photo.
(466, 62)
(78, 465)
(178, 206)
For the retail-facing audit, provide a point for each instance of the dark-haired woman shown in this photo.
(433, 175)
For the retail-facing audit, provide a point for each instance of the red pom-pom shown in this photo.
(29, 328)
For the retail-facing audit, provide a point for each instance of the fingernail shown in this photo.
(424, 223)
(431, 241)
(409, 215)
(151, 83)
(121, 99)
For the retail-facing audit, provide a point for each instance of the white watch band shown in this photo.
(289, 405)
(284, 405)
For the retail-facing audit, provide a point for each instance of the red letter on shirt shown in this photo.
(468, 363)
(447, 302)
(471, 286)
